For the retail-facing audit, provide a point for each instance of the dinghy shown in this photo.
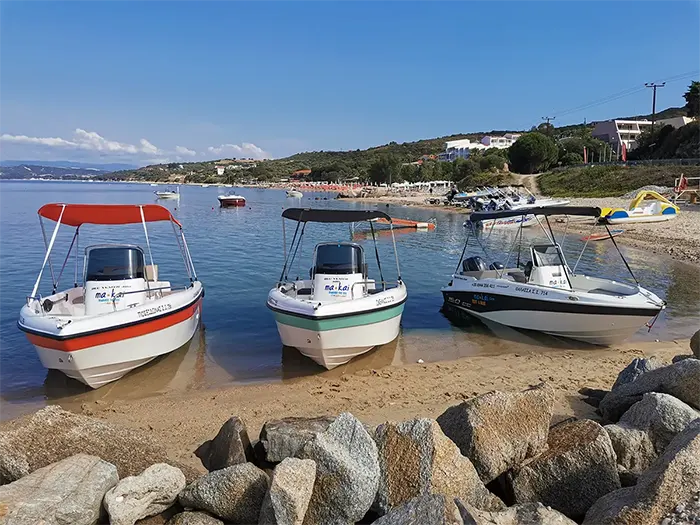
(339, 312)
(545, 294)
(647, 206)
(168, 194)
(122, 315)
(296, 194)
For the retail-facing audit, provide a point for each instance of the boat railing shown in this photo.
(386, 285)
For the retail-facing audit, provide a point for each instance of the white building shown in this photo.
(459, 149)
(506, 141)
(616, 132)
(220, 170)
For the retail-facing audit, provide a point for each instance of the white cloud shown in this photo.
(48, 141)
(246, 149)
(182, 150)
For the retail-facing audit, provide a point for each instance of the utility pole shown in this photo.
(653, 103)
(547, 119)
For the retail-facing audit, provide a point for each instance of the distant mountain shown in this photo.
(660, 115)
(31, 171)
(70, 164)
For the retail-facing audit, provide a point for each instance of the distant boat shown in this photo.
(168, 194)
(231, 201)
(154, 184)
(296, 194)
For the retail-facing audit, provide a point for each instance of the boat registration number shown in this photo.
(153, 311)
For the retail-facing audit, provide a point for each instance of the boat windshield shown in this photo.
(546, 255)
(338, 259)
(114, 263)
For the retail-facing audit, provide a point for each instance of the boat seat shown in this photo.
(151, 272)
(518, 276)
(80, 299)
(304, 291)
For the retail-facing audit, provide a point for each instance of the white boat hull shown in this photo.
(642, 218)
(329, 348)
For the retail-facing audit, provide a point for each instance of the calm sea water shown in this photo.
(238, 254)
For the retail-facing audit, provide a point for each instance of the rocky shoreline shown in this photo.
(498, 458)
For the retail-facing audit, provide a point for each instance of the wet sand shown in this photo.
(372, 390)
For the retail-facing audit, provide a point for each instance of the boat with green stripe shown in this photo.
(339, 312)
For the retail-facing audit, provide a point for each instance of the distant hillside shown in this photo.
(25, 171)
(113, 166)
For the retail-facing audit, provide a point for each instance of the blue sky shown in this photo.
(141, 82)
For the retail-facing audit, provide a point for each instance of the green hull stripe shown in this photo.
(320, 325)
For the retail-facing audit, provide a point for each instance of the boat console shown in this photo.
(113, 273)
(337, 270)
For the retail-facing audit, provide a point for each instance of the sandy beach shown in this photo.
(182, 421)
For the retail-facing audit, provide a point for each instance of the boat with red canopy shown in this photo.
(120, 315)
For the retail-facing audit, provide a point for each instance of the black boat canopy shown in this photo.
(586, 211)
(316, 215)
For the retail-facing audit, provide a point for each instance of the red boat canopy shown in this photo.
(77, 214)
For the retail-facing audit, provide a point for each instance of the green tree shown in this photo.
(533, 153)
(692, 100)
(491, 162)
(571, 159)
(409, 173)
(384, 170)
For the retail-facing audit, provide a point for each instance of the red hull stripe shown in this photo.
(117, 334)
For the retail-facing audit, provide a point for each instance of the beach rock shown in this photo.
(148, 494)
(674, 477)
(636, 368)
(523, 514)
(290, 492)
(69, 491)
(194, 518)
(347, 472)
(233, 494)
(681, 357)
(695, 344)
(428, 509)
(283, 438)
(231, 446)
(497, 431)
(578, 468)
(416, 459)
(680, 380)
(645, 430)
(52, 434)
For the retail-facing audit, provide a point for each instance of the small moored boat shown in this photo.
(122, 315)
(647, 206)
(231, 201)
(168, 194)
(339, 312)
(545, 294)
(296, 194)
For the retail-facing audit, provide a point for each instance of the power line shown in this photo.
(654, 86)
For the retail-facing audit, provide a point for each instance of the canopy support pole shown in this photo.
(70, 249)
(466, 243)
(376, 253)
(77, 250)
(189, 256)
(145, 231)
(182, 251)
(396, 253)
(49, 247)
(286, 258)
(46, 246)
(561, 255)
(622, 256)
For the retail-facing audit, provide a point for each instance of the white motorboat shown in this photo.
(546, 295)
(339, 313)
(122, 315)
(168, 194)
(231, 201)
(296, 194)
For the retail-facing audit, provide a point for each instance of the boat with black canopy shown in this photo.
(338, 312)
(545, 294)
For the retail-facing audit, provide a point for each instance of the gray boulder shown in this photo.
(231, 446)
(347, 472)
(523, 514)
(695, 344)
(69, 491)
(680, 380)
(428, 509)
(682, 357)
(233, 494)
(674, 477)
(636, 368)
(645, 430)
(416, 459)
(497, 431)
(52, 434)
(283, 438)
(290, 492)
(194, 518)
(148, 494)
(578, 468)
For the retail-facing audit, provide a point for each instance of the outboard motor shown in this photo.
(474, 264)
(337, 267)
(496, 266)
(113, 273)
